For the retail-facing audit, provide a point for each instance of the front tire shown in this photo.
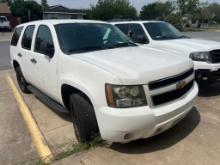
(21, 80)
(84, 118)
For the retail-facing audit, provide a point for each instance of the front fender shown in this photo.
(79, 85)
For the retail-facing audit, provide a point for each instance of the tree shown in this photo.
(21, 8)
(214, 9)
(175, 20)
(157, 10)
(188, 7)
(44, 5)
(113, 9)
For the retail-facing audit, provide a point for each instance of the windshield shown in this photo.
(163, 31)
(2, 19)
(82, 37)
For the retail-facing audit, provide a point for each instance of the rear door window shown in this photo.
(27, 37)
(2, 19)
(16, 36)
(123, 27)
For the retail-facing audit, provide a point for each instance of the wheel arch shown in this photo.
(67, 90)
(15, 64)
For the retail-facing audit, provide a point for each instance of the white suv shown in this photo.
(162, 35)
(109, 85)
(4, 23)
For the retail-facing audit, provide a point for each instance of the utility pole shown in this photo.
(29, 15)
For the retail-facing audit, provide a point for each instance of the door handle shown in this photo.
(19, 55)
(33, 61)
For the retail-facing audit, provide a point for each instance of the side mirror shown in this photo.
(141, 39)
(130, 34)
(49, 51)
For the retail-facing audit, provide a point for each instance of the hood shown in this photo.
(186, 46)
(135, 65)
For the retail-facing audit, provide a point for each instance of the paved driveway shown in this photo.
(16, 147)
(215, 36)
(4, 56)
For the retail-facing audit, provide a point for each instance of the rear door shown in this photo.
(25, 54)
(14, 45)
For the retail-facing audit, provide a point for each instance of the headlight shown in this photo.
(125, 96)
(200, 56)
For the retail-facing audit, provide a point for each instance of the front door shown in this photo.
(45, 61)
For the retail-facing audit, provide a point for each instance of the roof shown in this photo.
(125, 22)
(62, 9)
(4, 9)
(60, 21)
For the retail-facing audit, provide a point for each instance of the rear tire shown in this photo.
(84, 118)
(21, 80)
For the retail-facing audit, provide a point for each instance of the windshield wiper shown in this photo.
(87, 48)
(167, 37)
(100, 47)
(122, 44)
(173, 37)
(183, 36)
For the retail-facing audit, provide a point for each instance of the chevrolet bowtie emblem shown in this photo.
(180, 85)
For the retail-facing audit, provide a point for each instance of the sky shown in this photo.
(86, 3)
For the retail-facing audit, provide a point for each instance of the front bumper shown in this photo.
(206, 72)
(4, 28)
(123, 125)
(207, 75)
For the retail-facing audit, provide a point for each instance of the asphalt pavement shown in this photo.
(16, 147)
(215, 36)
(4, 56)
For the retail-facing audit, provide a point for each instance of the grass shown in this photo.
(76, 148)
(194, 29)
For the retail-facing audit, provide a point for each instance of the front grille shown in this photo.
(171, 95)
(215, 56)
(170, 80)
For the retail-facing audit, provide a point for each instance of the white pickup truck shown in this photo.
(162, 35)
(4, 24)
(110, 86)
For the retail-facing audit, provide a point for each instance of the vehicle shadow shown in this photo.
(161, 141)
(64, 116)
(210, 90)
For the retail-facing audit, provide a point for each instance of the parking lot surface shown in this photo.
(4, 56)
(205, 35)
(194, 141)
(16, 146)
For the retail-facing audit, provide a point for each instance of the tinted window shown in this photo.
(2, 19)
(162, 31)
(16, 36)
(137, 33)
(123, 28)
(44, 41)
(27, 37)
(81, 37)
